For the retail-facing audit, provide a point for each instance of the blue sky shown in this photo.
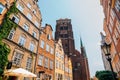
(87, 21)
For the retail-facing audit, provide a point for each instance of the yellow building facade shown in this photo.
(59, 60)
(68, 68)
(23, 41)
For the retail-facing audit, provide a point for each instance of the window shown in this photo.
(51, 51)
(15, 19)
(57, 54)
(36, 24)
(17, 58)
(29, 16)
(61, 28)
(22, 40)
(62, 66)
(112, 14)
(118, 26)
(11, 34)
(61, 35)
(25, 27)
(29, 5)
(34, 34)
(65, 28)
(48, 36)
(51, 64)
(32, 46)
(29, 64)
(57, 64)
(116, 34)
(42, 44)
(20, 7)
(111, 22)
(40, 60)
(117, 5)
(66, 35)
(46, 63)
(34, 11)
(1, 8)
(47, 47)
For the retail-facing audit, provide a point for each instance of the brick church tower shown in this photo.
(64, 31)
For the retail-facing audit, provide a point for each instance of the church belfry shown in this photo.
(65, 32)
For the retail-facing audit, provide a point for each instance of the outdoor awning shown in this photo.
(19, 72)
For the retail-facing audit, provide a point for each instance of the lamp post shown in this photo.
(106, 50)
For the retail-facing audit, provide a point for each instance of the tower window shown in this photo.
(66, 28)
(61, 28)
(66, 36)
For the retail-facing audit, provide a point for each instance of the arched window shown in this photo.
(20, 7)
(16, 19)
(26, 26)
(32, 46)
(22, 40)
(11, 34)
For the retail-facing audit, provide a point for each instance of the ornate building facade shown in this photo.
(111, 26)
(22, 41)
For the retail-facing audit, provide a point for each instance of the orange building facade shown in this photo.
(111, 26)
(45, 60)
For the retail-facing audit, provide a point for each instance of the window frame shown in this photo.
(29, 16)
(47, 47)
(51, 64)
(29, 64)
(18, 57)
(29, 5)
(22, 40)
(16, 19)
(46, 62)
(11, 34)
(40, 60)
(2, 7)
(34, 34)
(42, 44)
(31, 46)
(25, 27)
(20, 7)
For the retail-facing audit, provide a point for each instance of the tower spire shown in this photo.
(83, 51)
(81, 43)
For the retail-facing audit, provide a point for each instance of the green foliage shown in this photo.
(7, 24)
(105, 75)
(4, 51)
(5, 29)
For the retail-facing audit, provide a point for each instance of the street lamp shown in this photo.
(106, 50)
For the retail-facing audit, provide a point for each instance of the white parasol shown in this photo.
(19, 72)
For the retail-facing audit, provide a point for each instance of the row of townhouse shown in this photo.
(111, 26)
(33, 47)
